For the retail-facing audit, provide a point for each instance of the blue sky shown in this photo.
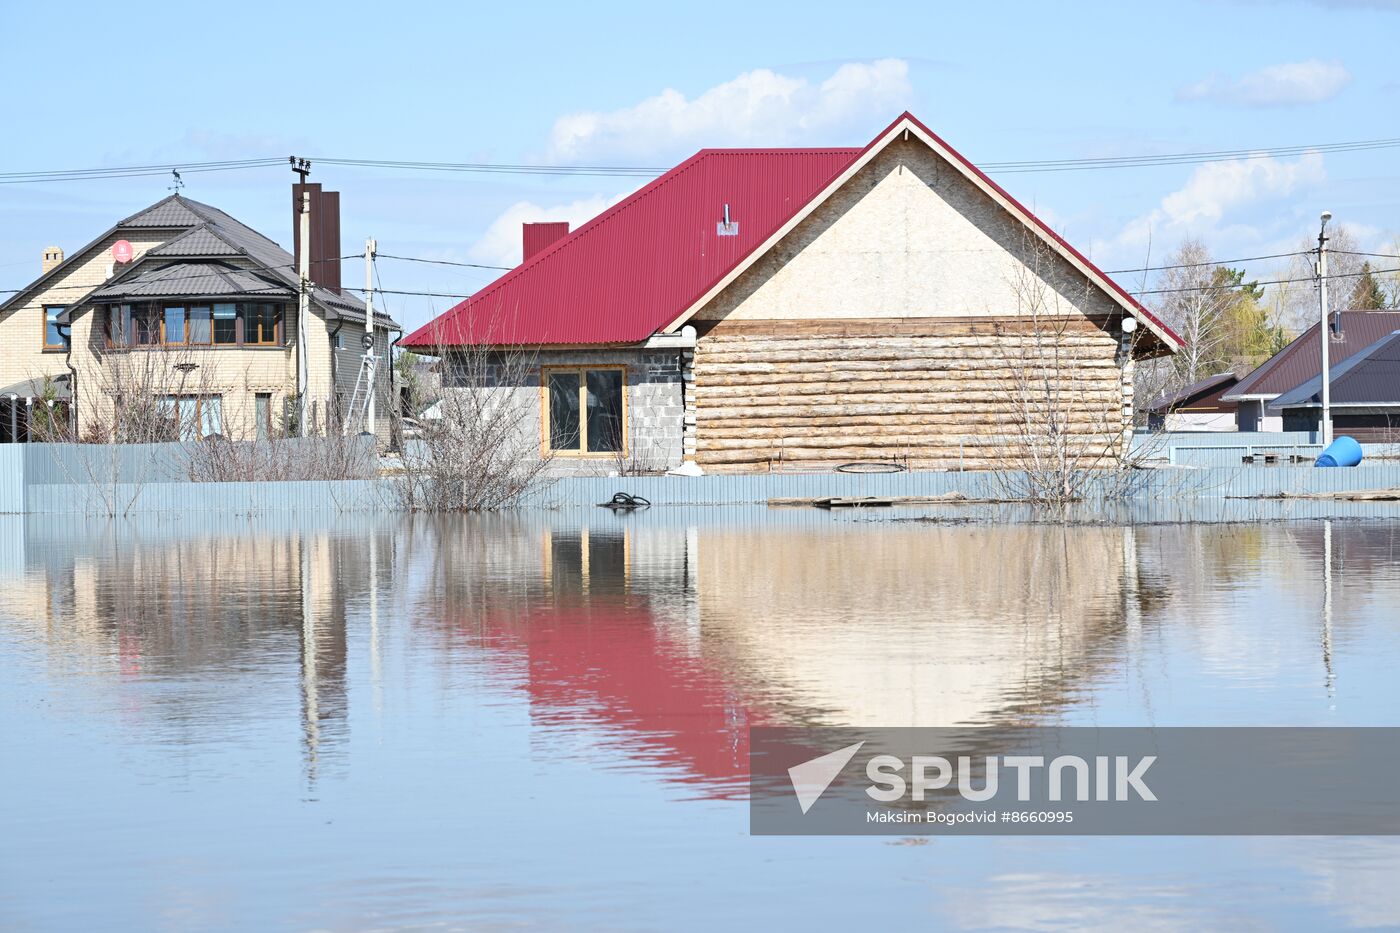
(647, 84)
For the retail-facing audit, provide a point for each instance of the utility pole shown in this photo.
(1325, 331)
(303, 308)
(370, 248)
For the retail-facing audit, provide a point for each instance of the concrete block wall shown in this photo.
(655, 402)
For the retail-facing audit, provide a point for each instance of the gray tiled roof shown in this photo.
(211, 234)
(197, 241)
(193, 280)
(172, 211)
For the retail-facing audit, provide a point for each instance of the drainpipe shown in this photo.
(395, 400)
(67, 331)
(335, 369)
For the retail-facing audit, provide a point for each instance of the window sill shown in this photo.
(199, 347)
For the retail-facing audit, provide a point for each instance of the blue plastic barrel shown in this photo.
(1343, 452)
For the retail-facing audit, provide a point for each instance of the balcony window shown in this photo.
(200, 325)
(225, 324)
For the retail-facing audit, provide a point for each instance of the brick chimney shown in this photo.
(325, 234)
(538, 236)
(52, 257)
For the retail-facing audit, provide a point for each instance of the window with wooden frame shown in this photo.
(207, 324)
(53, 332)
(584, 410)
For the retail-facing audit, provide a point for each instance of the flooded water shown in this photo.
(358, 724)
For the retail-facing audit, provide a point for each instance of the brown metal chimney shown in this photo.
(536, 237)
(325, 233)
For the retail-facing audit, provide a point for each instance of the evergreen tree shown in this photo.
(1367, 294)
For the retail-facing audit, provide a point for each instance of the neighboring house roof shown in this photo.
(193, 280)
(1369, 378)
(1302, 359)
(211, 234)
(1205, 391)
(651, 261)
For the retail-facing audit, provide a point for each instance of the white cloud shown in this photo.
(1213, 200)
(758, 108)
(1308, 82)
(500, 245)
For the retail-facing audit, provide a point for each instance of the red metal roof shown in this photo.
(1301, 360)
(629, 271)
(638, 266)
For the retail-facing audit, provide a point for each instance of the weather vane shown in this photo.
(179, 182)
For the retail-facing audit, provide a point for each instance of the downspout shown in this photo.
(397, 411)
(67, 331)
(335, 370)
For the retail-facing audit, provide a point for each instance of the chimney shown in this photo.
(325, 233)
(52, 257)
(538, 236)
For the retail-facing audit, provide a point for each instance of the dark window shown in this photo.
(53, 336)
(262, 412)
(563, 411)
(586, 410)
(119, 325)
(225, 323)
(260, 326)
(604, 410)
(145, 327)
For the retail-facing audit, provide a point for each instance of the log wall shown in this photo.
(933, 393)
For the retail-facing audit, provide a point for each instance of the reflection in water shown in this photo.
(381, 656)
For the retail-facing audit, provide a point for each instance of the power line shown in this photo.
(1213, 262)
(1311, 278)
(445, 262)
(640, 171)
(1182, 158)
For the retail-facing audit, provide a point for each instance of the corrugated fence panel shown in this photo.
(236, 498)
(12, 478)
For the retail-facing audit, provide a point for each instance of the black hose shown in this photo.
(625, 500)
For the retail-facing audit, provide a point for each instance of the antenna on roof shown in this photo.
(301, 166)
(179, 182)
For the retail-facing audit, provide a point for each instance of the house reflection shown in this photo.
(660, 640)
(191, 606)
(673, 640)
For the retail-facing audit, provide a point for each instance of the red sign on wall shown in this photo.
(121, 251)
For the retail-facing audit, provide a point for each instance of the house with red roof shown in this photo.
(760, 309)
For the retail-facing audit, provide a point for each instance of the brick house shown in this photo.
(206, 309)
(760, 309)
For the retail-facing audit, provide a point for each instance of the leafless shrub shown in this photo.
(479, 447)
(1067, 438)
